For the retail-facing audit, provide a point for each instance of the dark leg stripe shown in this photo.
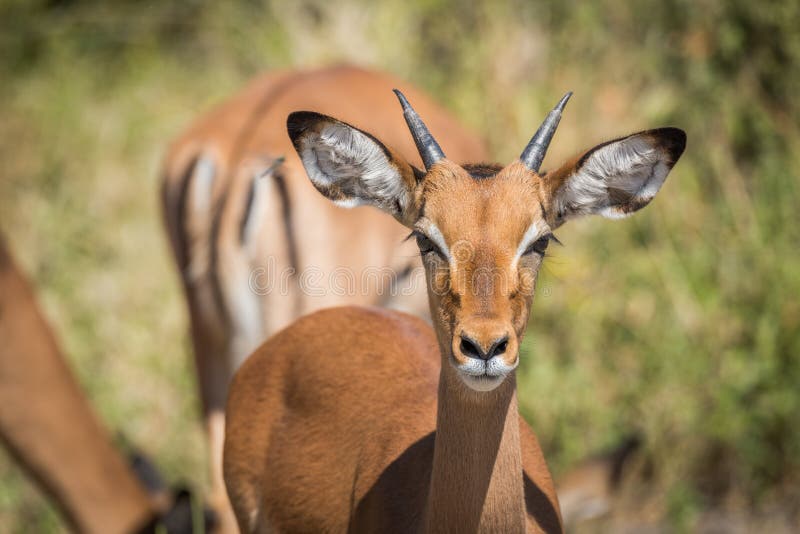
(182, 245)
(238, 147)
(216, 285)
(248, 207)
(288, 224)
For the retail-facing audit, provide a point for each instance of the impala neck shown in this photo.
(476, 482)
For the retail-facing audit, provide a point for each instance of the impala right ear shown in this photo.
(351, 167)
(613, 179)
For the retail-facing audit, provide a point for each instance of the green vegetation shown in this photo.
(682, 323)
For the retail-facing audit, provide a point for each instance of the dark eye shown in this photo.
(425, 245)
(539, 246)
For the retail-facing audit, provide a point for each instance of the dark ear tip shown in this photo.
(299, 121)
(673, 140)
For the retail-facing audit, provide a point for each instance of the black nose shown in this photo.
(472, 349)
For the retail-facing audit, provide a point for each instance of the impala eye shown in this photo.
(539, 246)
(425, 245)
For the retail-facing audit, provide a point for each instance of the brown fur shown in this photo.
(490, 221)
(238, 135)
(331, 422)
(345, 435)
(49, 427)
(461, 481)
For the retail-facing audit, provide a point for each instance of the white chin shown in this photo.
(483, 382)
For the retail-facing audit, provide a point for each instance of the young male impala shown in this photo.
(246, 226)
(347, 420)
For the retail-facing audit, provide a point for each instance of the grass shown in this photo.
(680, 324)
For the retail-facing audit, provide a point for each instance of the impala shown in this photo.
(50, 429)
(242, 216)
(368, 420)
(591, 488)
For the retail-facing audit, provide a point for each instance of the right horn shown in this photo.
(533, 155)
(428, 148)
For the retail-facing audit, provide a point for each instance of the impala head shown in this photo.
(482, 230)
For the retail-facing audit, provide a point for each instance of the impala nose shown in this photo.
(473, 349)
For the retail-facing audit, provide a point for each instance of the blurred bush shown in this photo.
(680, 323)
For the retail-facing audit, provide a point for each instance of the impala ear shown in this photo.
(613, 179)
(351, 167)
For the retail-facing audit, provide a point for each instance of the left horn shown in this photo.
(533, 155)
(427, 146)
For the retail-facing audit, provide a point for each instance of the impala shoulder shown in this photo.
(366, 320)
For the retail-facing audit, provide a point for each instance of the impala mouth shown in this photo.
(483, 382)
(483, 375)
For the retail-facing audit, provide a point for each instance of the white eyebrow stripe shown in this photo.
(434, 234)
(536, 230)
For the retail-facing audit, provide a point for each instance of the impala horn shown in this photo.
(533, 155)
(428, 148)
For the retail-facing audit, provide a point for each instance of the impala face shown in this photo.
(482, 230)
(482, 235)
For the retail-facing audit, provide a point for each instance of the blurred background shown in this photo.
(680, 325)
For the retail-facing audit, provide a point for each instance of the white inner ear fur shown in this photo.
(633, 165)
(343, 156)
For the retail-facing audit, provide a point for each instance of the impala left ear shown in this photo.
(613, 179)
(351, 167)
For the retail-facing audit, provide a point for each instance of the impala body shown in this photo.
(257, 245)
(48, 426)
(365, 420)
